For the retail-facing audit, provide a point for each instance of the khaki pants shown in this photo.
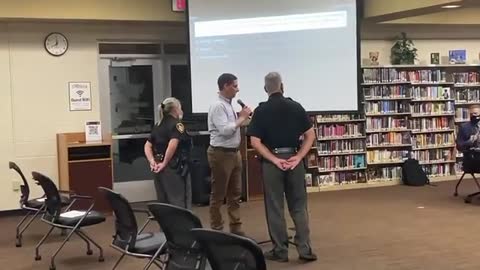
(226, 167)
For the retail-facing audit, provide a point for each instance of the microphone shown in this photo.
(240, 102)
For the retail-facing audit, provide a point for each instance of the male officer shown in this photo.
(275, 131)
(468, 140)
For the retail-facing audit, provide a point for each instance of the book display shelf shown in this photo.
(408, 111)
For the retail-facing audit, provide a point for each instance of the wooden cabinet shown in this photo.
(83, 167)
(254, 176)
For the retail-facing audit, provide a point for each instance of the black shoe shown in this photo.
(310, 257)
(272, 256)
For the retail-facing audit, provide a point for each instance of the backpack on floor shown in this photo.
(413, 174)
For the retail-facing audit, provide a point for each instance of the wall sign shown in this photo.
(179, 5)
(93, 131)
(80, 98)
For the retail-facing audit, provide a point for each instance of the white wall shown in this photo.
(425, 48)
(34, 89)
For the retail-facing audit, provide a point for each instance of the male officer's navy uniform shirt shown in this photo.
(169, 128)
(279, 122)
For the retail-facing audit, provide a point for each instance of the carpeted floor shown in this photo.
(395, 227)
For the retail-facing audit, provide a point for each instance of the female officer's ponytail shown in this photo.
(166, 107)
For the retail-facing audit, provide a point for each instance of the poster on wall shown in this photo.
(80, 98)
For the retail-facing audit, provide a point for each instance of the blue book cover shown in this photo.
(457, 56)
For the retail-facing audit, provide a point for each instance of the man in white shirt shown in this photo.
(223, 154)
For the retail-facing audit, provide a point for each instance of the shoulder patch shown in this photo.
(180, 127)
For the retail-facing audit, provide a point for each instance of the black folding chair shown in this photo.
(128, 239)
(183, 250)
(470, 166)
(73, 221)
(229, 251)
(32, 207)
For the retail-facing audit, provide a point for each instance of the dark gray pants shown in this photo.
(292, 184)
(173, 189)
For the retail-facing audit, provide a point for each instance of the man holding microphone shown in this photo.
(224, 156)
(275, 131)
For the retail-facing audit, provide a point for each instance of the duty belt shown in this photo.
(284, 150)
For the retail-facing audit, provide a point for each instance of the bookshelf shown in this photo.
(387, 95)
(438, 97)
(338, 156)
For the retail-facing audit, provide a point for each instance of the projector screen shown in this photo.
(311, 43)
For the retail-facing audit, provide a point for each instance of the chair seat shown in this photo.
(35, 203)
(38, 202)
(71, 218)
(146, 243)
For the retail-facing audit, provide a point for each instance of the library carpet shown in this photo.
(395, 227)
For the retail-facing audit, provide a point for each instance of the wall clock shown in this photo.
(56, 44)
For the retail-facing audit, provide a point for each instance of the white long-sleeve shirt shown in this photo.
(221, 124)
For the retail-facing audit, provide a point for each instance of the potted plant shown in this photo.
(403, 51)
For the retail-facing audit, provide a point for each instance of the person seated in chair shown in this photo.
(468, 139)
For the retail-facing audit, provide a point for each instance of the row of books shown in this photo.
(427, 75)
(375, 174)
(334, 130)
(466, 77)
(389, 106)
(341, 146)
(431, 92)
(387, 91)
(384, 75)
(433, 107)
(433, 155)
(438, 169)
(338, 178)
(380, 156)
(431, 123)
(341, 162)
(462, 113)
(337, 117)
(465, 95)
(390, 138)
(376, 123)
(433, 139)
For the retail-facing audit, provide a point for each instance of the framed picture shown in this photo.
(457, 56)
(435, 58)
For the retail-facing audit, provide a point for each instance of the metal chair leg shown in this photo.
(476, 181)
(100, 258)
(18, 237)
(118, 261)
(37, 256)
(154, 257)
(89, 250)
(458, 184)
(52, 260)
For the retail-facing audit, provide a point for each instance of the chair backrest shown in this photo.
(24, 189)
(228, 251)
(53, 201)
(126, 227)
(176, 223)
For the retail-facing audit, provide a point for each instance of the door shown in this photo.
(135, 88)
(178, 81)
